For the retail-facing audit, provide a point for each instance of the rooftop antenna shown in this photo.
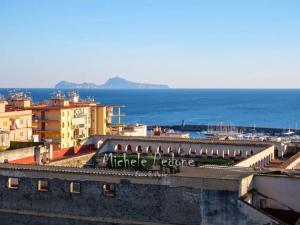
(73, 96)
(58, 95)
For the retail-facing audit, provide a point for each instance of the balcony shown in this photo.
(79, 126)
(42, 119)
(79, 136)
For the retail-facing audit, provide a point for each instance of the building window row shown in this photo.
(75, 187)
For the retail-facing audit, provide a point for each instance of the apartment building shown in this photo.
(16, 121)
(66, 121)
(59, 122)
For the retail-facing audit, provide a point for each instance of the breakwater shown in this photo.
(242, 129)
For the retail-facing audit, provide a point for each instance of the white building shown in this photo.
(137, 130)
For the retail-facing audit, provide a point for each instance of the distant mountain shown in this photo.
(112, 83)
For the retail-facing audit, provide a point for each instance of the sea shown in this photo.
(272, 108)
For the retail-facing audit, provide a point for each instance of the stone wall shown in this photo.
(133, 203)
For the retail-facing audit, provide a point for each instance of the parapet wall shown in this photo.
(75, 161)
(260, 159)
(13, 155)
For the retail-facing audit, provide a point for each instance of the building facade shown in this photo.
(61, 123)
(64, 122)
(18, 122)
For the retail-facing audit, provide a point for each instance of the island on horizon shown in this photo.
(112, 83)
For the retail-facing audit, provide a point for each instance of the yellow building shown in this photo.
(18, 122)
(67, 122)
(103, 120)
(63, 124)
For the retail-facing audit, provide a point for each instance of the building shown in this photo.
(16, 120)
(168, 133)
(75, 190)
(66, 121)
(137, 130)
(105, 121)
(60, 122)
(4, 140)
(205, 195)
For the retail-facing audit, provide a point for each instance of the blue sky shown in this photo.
(183, 43)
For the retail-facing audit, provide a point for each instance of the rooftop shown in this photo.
(209, 172)
(216, 172)
(185, 140)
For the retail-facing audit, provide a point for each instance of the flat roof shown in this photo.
(185, 140)
(216, 172)
(208, 172)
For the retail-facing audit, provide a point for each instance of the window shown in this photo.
(13, 183)
(63, 125)
(75, 187)
(5, 124)
(43, 185)
(21, 134)
(108, 190)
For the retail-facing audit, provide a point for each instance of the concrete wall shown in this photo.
(132, 204)
(279, 188)
(294, 163)
(16, 154)
(260, 159)
(256, 216)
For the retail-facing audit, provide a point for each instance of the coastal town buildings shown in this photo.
(80, 190)
(66, 121)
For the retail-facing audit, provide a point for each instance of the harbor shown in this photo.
(235, 132)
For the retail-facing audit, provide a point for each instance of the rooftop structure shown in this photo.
(239, 153)
(138, 130)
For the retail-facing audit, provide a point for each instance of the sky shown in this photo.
(182, 43)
